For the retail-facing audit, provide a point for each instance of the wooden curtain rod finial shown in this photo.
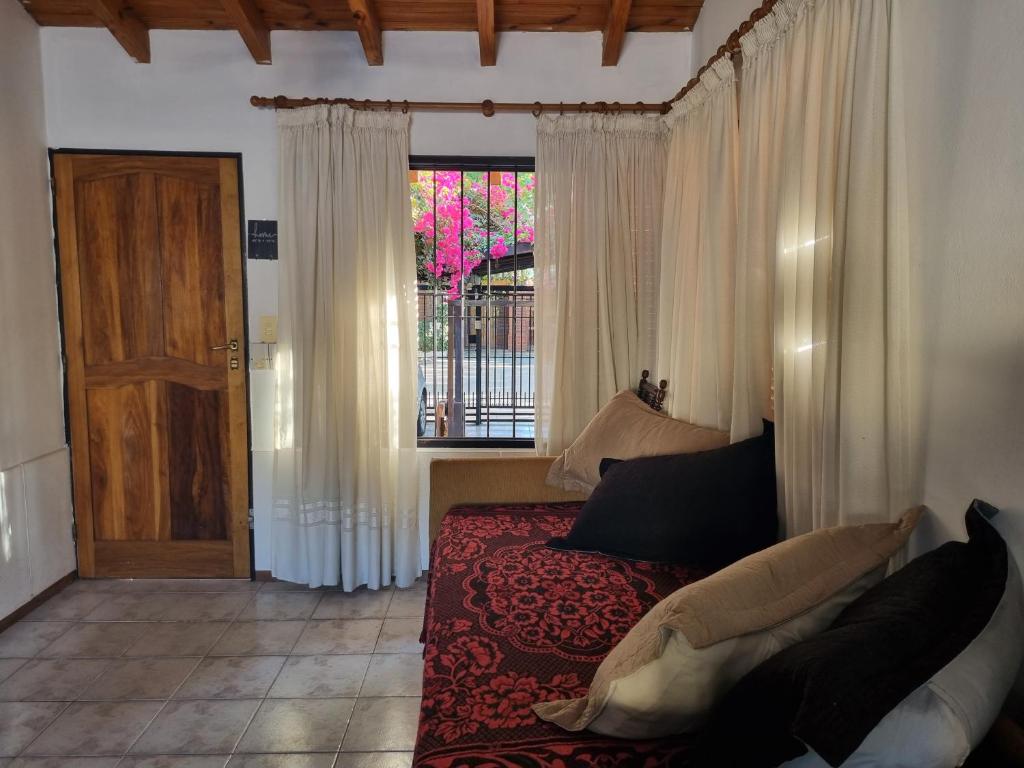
(487, 107)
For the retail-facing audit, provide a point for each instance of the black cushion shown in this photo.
(830, 691)
(704, 509)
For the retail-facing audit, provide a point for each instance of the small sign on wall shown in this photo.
(262, 239)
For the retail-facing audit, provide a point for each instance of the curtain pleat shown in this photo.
(823, 244)
(698, 253)
(599, 203)
(345, 486)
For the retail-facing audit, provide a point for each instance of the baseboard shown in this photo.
(263, 576)
(35, 602)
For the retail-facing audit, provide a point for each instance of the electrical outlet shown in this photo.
(268, 329)
(259, 363)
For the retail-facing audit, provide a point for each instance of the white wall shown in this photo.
(194, 96)
(717, 20)
(35, 507)
(964, 66)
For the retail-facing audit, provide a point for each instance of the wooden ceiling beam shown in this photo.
(368, 26)
(488, 35)
(615, 32)
(125, 26)
(251, 26)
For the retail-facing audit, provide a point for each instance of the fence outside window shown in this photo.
(473, 220)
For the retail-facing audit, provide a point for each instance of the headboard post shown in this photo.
(654, 396)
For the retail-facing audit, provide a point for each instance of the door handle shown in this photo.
(232, 345)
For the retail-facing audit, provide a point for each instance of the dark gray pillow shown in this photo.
(706, 509)
(829, 692)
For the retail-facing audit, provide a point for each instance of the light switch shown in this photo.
(268, 329)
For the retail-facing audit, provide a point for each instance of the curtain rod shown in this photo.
(730, 48)
(487, 107)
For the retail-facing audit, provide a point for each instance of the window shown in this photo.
(473, 220)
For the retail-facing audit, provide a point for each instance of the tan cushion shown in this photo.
(626, 428)
(680, 658)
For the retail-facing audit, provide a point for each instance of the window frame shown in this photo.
(474, 163)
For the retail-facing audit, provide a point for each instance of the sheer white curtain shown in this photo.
(698, 252)
(599, 201)
(822, 204)
(345, 485)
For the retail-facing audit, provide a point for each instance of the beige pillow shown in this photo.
(626, 428)
(665, 675)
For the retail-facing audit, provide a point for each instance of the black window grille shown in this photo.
(473, 220)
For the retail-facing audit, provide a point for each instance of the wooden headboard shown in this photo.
(654, 396)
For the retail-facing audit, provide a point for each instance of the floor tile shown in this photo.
(131, 608)
(52, 679)
(248, 638)
(394, 674)
(409, 603)
(9, 666)
(175, 761)
(320, 677)
(67, 606)
(179, 639)
(108, 586)
(282, 761)
(63, 762)
(400, 636)
(361, 604)
(280, 605)
(22, 721)
(196, 728)
(95, 728)
(27, 638)
(339, 636)
(386, 724)
(154, 678)
(165, 586)
(374, 760)
(297, 725)
(216, 606)
(231, 677)
(102, 640)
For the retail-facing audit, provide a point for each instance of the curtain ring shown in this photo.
(561, 108)
(537, 108)
(367, 105)
(616, 107)
(389, 105)
(405, 107)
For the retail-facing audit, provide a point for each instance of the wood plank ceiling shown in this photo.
(129, 21)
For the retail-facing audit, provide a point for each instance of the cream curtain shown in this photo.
(345, 485)
(599, 201)
(823, 207)
(698, 252)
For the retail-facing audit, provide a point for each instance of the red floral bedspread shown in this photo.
(509, 623)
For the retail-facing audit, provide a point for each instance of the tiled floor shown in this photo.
(208, 674)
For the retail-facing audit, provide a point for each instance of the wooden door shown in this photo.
(151, 281)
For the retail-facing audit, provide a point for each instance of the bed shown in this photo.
(509, 623)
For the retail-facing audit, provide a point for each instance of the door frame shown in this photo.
(52, 153)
